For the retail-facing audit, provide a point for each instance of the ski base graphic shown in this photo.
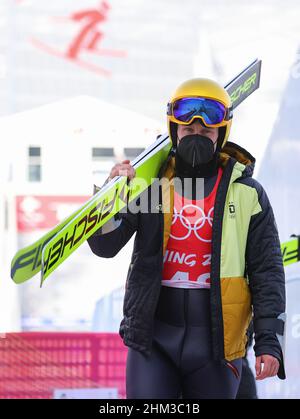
(54, 247)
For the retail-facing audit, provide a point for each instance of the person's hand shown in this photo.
(270, 369)
(122, 169)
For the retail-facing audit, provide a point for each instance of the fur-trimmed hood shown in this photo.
(232, 150)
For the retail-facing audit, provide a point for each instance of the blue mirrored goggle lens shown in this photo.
(212, 112)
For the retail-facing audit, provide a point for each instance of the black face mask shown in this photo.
(196, 149)
(195, 157)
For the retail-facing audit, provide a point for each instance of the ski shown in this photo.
(47, 253)
(245, 83)
(112, 197)
(291, 250)
(27, 261)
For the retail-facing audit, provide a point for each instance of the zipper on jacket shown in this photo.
(215, 290)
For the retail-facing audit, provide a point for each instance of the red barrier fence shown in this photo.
(33, 365)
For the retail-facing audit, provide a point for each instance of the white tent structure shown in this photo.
(66, 131)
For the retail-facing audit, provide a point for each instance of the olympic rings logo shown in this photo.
(186, 223)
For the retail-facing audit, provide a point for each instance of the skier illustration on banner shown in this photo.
(87, 39)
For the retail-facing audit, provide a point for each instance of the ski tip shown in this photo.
(42, 279)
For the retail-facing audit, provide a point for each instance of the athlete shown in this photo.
(206, 260)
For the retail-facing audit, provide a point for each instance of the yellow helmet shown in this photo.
(214, 110)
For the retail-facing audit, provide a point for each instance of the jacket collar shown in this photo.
(243, 162)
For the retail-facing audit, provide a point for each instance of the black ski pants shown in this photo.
(181, 363)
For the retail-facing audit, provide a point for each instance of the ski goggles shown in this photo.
(211, 111)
